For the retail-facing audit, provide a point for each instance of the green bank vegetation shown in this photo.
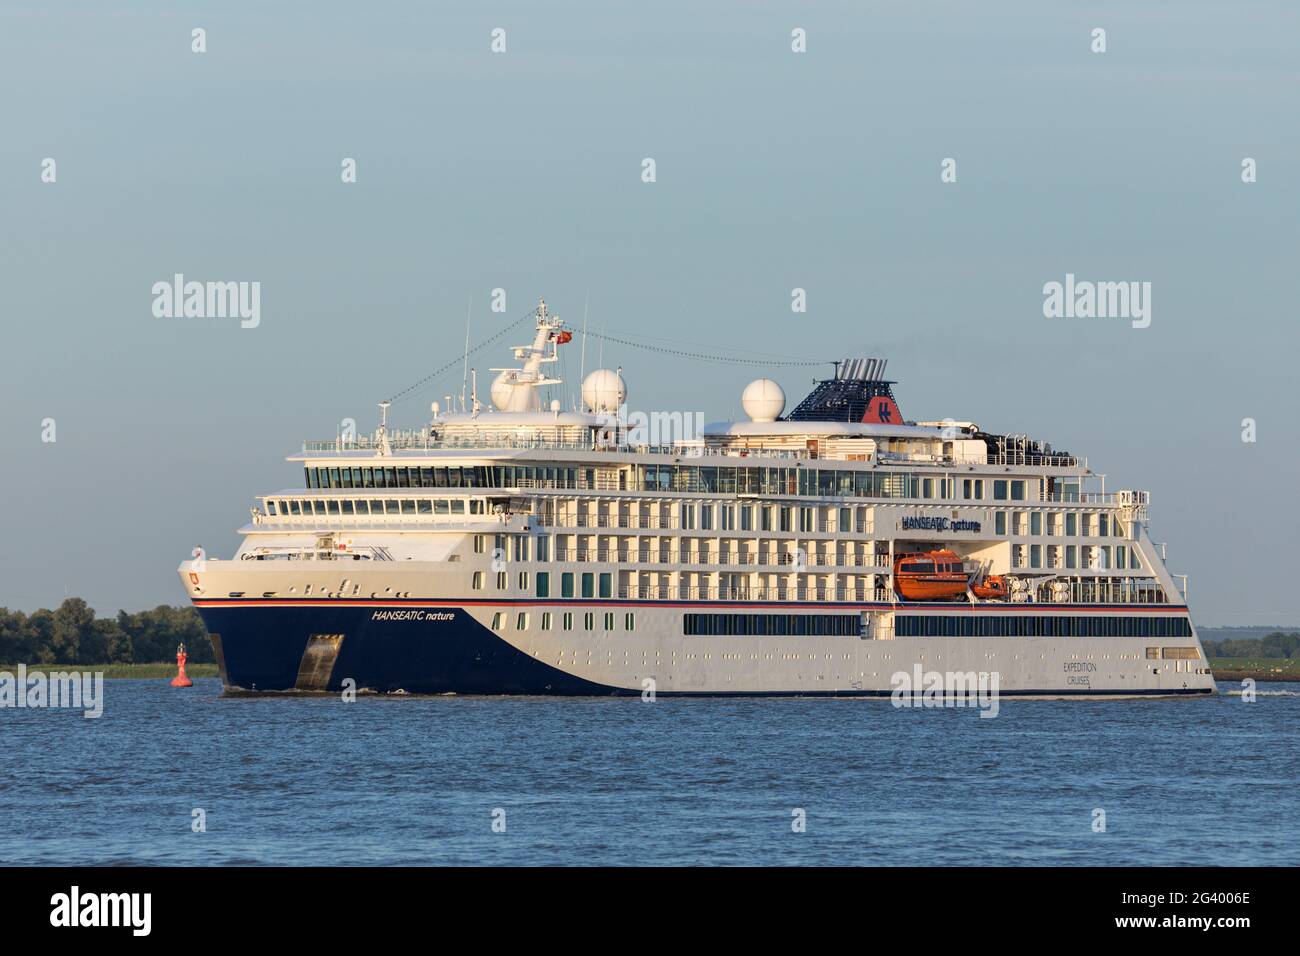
(72, 635)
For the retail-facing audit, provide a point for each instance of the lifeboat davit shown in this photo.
(930, 576)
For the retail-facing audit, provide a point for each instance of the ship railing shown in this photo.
(1036, 460)
(420, 440)
(662, 523)
(715, 557)
(653, 592)
(1147, 597)
(1083, 498)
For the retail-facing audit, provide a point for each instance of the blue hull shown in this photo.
(262, 648)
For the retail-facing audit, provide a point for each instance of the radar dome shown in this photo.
(763, 400)
(503, 391)
(604, 391)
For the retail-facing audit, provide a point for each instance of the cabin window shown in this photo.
(1035, 555)
(1018, 490)
(546, 620)
(425, 506)
(333, 506)
(319, 506)
(1000, 522)
(477, 583)
(521, 622)
(1000, 490)
(440, 506)
(498, 620)
(1036, 523)
(1071, 525)
(502, 581)
(523, 580)
(609, 620)
(589, 621)
(846, 519)
(588, 584)
(706, 517)
(566, 587)
(543, 548)
(347, 506)
(568, 620)
(629, 621)
(605, 585)
(543, 584)
(408, 506)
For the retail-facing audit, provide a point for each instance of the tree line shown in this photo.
(73, 634)
(1275, 645)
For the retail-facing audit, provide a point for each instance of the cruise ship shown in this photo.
(523, 548)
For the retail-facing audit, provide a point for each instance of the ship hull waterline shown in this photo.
(428, 649)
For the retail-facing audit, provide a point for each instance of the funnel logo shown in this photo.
(881, 410)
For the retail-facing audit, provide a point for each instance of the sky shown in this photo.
(522, 170)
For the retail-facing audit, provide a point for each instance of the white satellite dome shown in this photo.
(604, 391)
(503, 391)
(763, 400)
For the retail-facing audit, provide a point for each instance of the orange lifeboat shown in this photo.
(930, 576)
(994, 587)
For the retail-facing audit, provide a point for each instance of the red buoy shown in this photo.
(181, 680)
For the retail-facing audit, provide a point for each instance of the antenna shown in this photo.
(469, 309)
(473, 395)
(582, 362)
(383, 428)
